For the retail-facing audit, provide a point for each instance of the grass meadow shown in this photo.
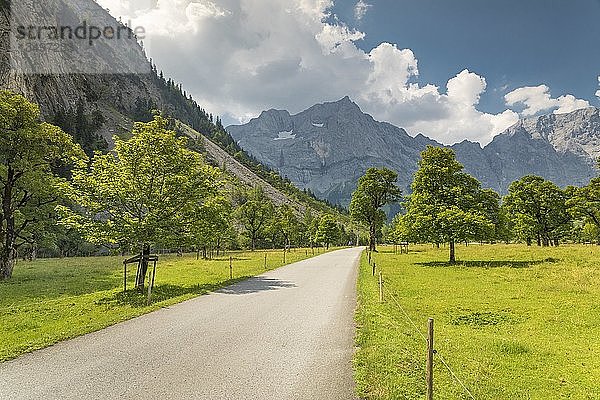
(50, 300)
(511, 321)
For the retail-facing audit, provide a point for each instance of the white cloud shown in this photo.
(598, 91)
(360, 9)
(239, 57)
(536, 99)
(335, 37)
(466, 88)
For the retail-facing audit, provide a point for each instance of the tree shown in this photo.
(446, 204)
(147, 193)
(288, 224)
(538, 208)
(211, 224)
(254, 213)
(328, 231)
(375, 189)
(585, 203)
(30, 153)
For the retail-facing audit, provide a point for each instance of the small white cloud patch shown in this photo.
(360, 9)
(598, 91)
(537, 99)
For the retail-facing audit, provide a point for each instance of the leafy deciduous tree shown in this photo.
(30, 151)
(328, 231)
(145, 194)
(446, 203)
(538, 207)
(585, 203)
(254, 213)
(375, 189)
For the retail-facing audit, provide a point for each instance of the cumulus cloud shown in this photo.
(453, 116)
(536, 99)
(360, 9)
(598, 91)
(239, 57)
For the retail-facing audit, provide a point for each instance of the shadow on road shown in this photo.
(256, 284)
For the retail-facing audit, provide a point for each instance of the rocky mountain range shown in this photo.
(327, 147)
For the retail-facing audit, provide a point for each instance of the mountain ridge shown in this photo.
(326, 147)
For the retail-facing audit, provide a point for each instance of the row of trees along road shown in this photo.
(447, 205)
(150, 192)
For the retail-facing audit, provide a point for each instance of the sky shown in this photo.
(451, 70)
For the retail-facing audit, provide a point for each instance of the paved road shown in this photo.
(287, 334)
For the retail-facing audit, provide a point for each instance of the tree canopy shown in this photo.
(328, 231)
(254, 213)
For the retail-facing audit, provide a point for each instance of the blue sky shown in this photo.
(450, 69)
(513, 43)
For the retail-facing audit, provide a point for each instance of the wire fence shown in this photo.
(410, 322)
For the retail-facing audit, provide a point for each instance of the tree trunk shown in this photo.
(33, 254)
(7, 263)
(528, 241)
(545, 241)
(452, 253)
(8, 252)
(140, 279)
(539, 240)
(372, 238)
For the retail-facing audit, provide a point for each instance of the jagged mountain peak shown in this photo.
(327, 147)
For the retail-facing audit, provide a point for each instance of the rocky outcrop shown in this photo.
(329, 146)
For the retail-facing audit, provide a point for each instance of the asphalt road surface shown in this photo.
(286, 334)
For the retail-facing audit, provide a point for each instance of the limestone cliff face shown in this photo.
(64, 82)
(329, 146)
(123, 86)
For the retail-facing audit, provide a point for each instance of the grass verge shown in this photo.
(50, 300)
(513, 322)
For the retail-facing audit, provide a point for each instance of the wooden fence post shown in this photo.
(150, 279)
(124, 277)
(430, 360)
(230, 267)
(265, 261)
(373, 269)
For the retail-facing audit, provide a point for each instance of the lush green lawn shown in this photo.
(512, 322)
(54, 299)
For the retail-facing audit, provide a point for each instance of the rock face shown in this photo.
(58, 86)
(329, 146)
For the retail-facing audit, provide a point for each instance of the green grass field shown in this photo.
(50, 300)
(512, 322)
